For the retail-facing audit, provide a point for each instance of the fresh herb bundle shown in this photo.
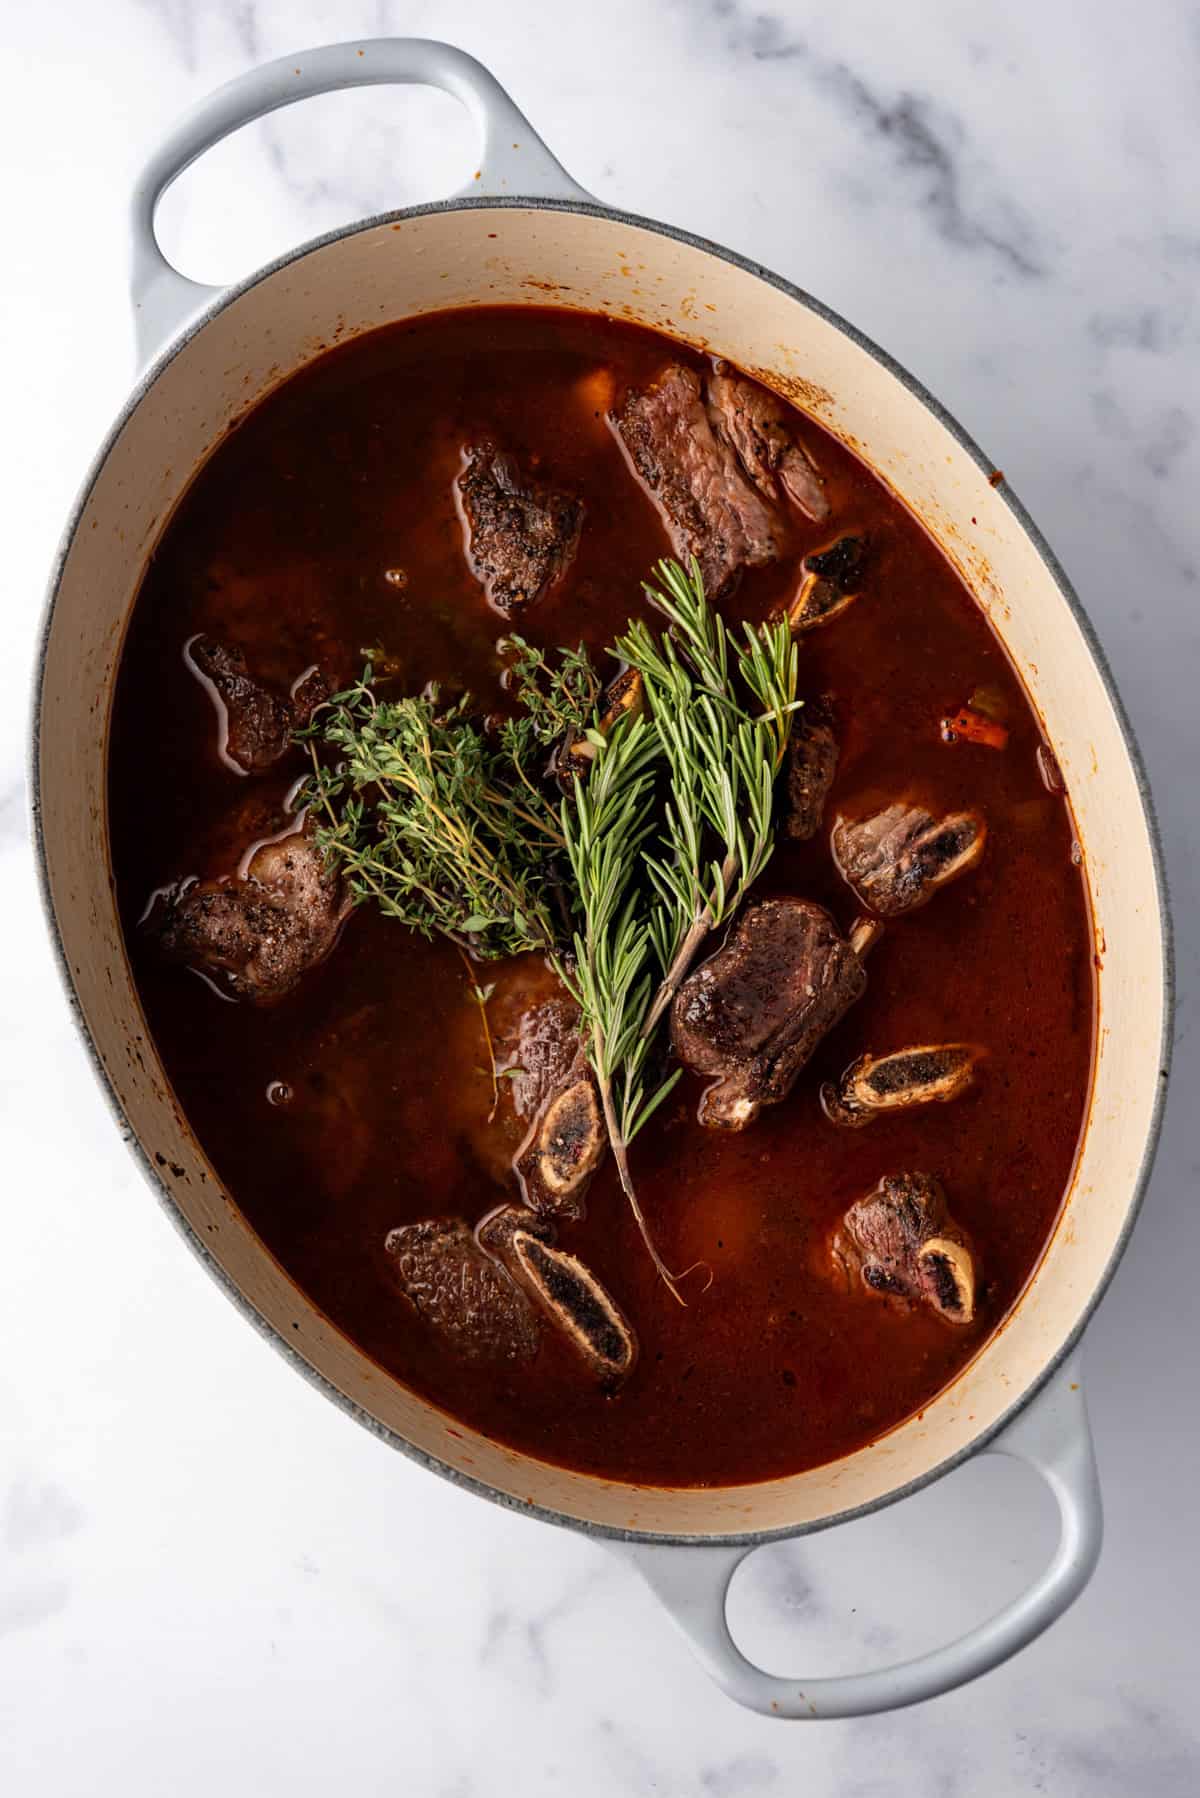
(440, 822)
(444, 821)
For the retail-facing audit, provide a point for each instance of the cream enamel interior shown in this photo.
(531, 255)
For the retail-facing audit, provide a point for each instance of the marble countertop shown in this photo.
(209, 1577)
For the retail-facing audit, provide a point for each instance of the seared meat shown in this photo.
(754, 422)
(755, 1011)
(545, 1054)
(523, 535)
(550, 1089)
(311, 690)
(488, 1120)
(265, 928)
(812, 757)
(495, 1232)
(710, 509)
(566, 1145)
(256, 723)
(461, 1292)
(832, 578)
(568, 1292)
(898, 858)
(902, 1240)
(523, 1130)
(880, 1083)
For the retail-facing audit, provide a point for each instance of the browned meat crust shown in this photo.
(522, 535)
(898, 858)
(902, 1241)
(757, 426)
(461, 1292)
(710, 508)
(755, 1011)
(812, 759)
(262, 930)
(256, 722)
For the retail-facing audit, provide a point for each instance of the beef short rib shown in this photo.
(542, 1052)
(461, 1292)
(875, 1085)
(262, 930)
(901, 1240)
(521, 534)
(552, 1085)
(567, 1292)
(832, 578)
(256, 722)
(755, 1011)
(812, 758)
(556, 1162)
(711, 510)
(754, 422)
(896, 859)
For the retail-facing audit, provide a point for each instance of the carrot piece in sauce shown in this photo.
(967, 726)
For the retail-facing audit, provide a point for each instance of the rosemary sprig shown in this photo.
(606, 824)
(723, 759)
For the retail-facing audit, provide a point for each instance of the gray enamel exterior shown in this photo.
(1051, 1436)
(709, 1551)
(512, 157)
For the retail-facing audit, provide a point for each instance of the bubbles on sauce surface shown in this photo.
(279, 1093)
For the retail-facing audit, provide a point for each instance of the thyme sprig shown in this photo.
(435, 819)
(558, 696)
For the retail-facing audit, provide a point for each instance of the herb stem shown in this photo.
(620, 1152)
(684, 956)
(480, 995)
(539, 824)
(362, 863)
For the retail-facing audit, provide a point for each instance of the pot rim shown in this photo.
(191, 328)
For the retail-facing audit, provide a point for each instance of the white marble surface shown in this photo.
(209, 1578)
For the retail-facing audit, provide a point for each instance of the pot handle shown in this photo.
(513, 159)
(1052, 1436)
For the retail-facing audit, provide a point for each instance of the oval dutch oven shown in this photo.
(525, 229)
